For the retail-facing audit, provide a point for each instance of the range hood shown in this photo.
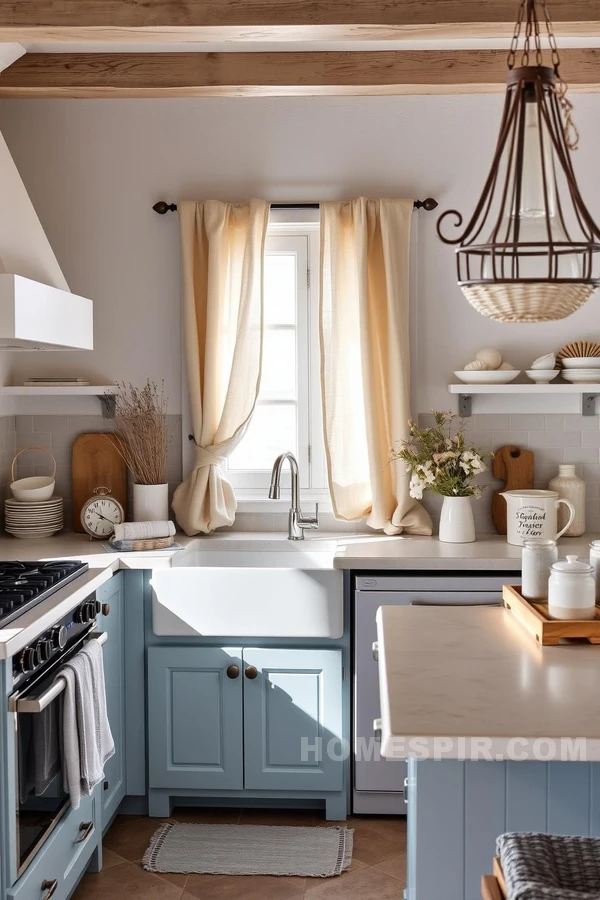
(37, 309)
(34, 316)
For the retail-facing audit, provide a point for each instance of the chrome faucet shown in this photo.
(297, 523)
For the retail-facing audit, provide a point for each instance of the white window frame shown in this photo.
(251, 489)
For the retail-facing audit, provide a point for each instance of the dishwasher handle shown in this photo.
(477, 601)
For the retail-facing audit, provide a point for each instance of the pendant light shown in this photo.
(530, 251)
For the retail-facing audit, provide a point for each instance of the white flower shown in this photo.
(416, 487)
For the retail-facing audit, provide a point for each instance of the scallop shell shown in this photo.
(477, 365)
(577, 348)
(492, 358)
(544, 362)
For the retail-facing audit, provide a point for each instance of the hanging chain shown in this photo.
(532, 31)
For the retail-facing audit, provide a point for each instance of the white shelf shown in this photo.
(85, 390)
(587, 392)
(524, 388)
(104, 392)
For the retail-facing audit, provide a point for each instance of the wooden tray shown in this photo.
(533, 615)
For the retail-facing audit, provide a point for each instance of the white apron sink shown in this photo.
(243, 588)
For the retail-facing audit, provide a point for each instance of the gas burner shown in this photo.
(25, 584)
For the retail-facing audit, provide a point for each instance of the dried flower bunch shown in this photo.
(141, 423)
(440, 460)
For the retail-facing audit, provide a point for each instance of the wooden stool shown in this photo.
(493, 886)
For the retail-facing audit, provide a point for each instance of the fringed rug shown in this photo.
(249, 850)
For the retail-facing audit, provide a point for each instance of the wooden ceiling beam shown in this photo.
(277, 20)
(274, 74)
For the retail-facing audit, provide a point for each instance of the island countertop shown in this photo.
(470, 683)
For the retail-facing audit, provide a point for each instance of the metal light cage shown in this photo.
(539, 264)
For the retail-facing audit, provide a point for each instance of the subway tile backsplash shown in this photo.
(57, 433)
(553, 439)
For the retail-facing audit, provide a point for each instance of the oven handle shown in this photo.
(39, 703)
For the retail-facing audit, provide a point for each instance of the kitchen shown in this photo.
(93, 167)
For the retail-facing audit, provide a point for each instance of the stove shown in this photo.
(25, 584)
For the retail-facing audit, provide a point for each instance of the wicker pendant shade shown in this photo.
(531, 251)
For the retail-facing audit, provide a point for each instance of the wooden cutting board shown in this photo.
(96, 462)
(515, 467)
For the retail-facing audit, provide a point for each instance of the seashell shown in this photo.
(492, 358)
(578, 348)
(544, 362)
(505, 367)
(477, 365)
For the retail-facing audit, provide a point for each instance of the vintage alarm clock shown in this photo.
(101, 513)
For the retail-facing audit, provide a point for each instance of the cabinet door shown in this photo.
(111, 620)
(195, 717)
(293, 720)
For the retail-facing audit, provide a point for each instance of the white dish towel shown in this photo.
(142, 531)
(87, 741)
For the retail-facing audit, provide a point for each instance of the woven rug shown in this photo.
(249, 850)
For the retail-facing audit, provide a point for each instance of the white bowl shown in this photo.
(582, 376)
(33, 489)
(542, 376)
(496, 376)
(580, 362)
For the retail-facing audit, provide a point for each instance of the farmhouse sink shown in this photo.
(250, 588)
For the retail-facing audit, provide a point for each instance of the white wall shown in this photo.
(94, 169)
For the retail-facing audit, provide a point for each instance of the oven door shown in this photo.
(41, 798)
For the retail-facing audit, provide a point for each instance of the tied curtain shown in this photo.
(222, 246)
(365, 361)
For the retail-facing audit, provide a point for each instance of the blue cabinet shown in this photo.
(195, 717)
(111, 620)
(254, 719)
(293, 719)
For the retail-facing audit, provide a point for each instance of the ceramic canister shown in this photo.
(534, 514)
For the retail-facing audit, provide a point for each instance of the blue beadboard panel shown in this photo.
(526, 796)
(296, 696)
(194, 718)
(485, 797)
(569, 797)
(457, 810)
(437, 802)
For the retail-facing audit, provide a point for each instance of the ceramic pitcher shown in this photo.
(534, 514)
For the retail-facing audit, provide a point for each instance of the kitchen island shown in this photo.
(500, 733)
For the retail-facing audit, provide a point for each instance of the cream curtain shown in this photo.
(222, 246)
(365, 361)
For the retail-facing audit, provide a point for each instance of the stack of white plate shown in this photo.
(581, 369)
(33, 520)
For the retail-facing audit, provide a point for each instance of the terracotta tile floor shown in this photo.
(378, 866)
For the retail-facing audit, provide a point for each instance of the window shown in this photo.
(288, 409)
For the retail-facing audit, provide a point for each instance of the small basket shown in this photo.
(147, 544)
(527, 301)
(35, 488)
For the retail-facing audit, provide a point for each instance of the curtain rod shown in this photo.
(163, 207)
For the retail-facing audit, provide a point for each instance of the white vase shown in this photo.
(457, 525)
(569, 487)
(150, 502)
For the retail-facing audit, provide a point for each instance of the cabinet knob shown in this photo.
(85, 830)
(49, 887)
(251, 672)
(106, 609)
(233, 671)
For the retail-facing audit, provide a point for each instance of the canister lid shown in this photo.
(541, 543)
(572, 566)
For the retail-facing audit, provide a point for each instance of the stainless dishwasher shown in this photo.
(379, 783)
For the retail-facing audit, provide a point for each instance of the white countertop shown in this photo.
(359, 551)
(490, 552)
(473, 673)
